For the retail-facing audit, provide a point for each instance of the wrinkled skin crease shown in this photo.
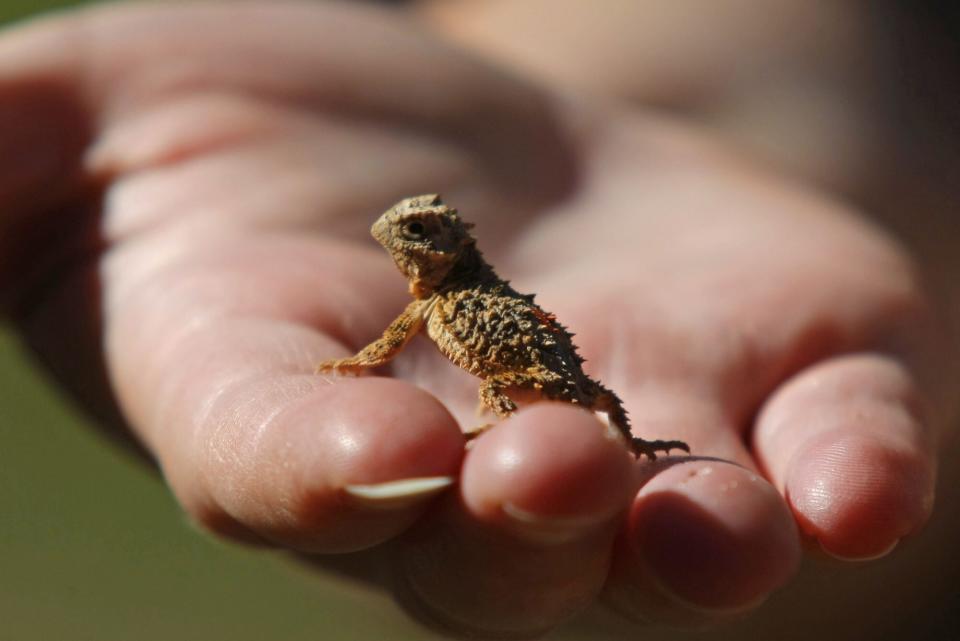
(238, 258)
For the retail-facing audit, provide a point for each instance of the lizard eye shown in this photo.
(413, 230)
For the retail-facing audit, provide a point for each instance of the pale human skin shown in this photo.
(233, 256)
(854, 98)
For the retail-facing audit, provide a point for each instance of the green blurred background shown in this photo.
(92, 546)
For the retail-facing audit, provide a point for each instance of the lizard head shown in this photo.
(425, 238)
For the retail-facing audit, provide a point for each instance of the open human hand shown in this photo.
(186, 196)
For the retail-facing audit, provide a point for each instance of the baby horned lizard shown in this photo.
(479, 322)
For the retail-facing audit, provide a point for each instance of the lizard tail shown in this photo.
(609, 403)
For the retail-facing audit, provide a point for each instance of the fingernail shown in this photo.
(394, 495)
(700, 583)
(705, 613)
(551, 530)
(868, 557)
(711, 538)
(644, 600)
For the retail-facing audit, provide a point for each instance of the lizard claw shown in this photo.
(650, 448)
(471, 434)
(341, 366)
(474, 432)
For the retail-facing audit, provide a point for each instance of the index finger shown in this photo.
(212, 355)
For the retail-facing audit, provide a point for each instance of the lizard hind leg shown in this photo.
(493, 396)
(608, 402)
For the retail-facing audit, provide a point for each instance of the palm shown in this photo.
(237, 216)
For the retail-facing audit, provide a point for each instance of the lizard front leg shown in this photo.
(382, 350)
(493, 396)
